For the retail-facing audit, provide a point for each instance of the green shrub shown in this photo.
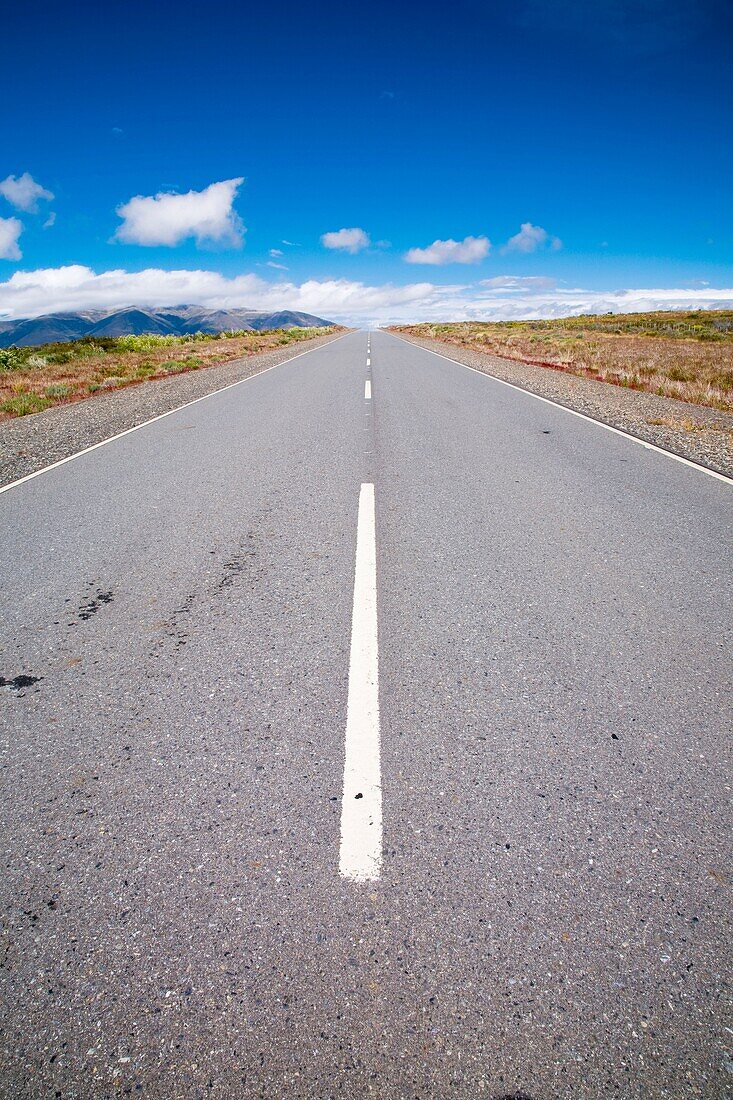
(145, 342)
(97, 343)
(58, 389)
(11, 358)
(25, 403)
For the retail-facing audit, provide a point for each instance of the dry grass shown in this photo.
(688, 356)
(686, 424)
(33, 379)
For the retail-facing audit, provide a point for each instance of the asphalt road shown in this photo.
(535, 901)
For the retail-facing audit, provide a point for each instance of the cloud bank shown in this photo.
(23, 192)
(49, 290)
(168, 218)
(468, 251)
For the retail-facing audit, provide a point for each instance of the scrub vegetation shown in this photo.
(685, 355)
(36, 378)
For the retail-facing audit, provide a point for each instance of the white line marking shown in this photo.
(369, 362)
(367, 390)
(573, 412)
(144, 424)
(360, 855)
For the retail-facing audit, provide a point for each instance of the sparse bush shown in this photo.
(200, 336)
(59, 389)
(11, 358)
(24, 403)
(145, 342)
(723, 379)
(145, 369)
(97, 343)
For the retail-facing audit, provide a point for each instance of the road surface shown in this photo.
(365, 733)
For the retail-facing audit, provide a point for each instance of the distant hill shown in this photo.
(170, 321)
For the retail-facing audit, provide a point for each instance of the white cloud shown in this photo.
(276, 252)
(23, 192)
(30, 293)
(468, 251)
(10, 230)
(50, 220)
(279, 267)
(347, 240)
(168, 218)
(530, 238)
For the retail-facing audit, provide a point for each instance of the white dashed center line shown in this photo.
(367, 390)
(360, 856)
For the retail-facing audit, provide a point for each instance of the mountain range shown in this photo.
(134, 320)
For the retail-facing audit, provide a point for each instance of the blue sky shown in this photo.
(602, 128)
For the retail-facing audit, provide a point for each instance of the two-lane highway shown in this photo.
(373, 741)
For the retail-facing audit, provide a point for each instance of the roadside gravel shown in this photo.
(29, 443)
(700, 434)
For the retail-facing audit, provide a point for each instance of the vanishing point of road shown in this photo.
(364, 733)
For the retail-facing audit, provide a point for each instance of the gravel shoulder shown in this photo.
(29, 443)
(693, 431)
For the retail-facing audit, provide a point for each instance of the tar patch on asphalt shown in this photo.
(237, 563)
(91, 606)
(18, 683)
